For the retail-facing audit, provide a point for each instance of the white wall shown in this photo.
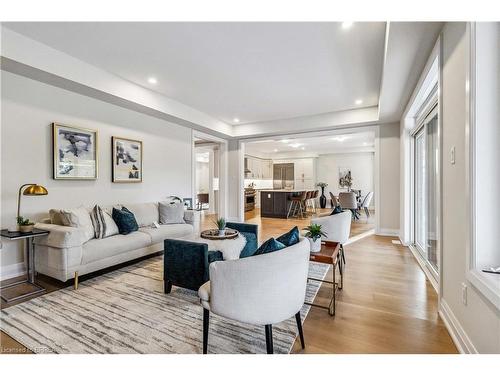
(28, 109)
(361, 165)
(388, 179)
(477, 323)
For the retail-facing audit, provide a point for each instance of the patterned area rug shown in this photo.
(126, 311)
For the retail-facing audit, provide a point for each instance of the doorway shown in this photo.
(426, 188)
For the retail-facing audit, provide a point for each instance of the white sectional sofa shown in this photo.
(65, 254)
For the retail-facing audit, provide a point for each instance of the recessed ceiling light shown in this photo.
(347, 25)
(236, 119)
(152, 80)
(275, 150)
(339, 139)
(303, 148)
(358, 101)
(365, 144)
(285, 140)
(294, 145)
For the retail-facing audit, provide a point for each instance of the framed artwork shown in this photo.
(345, 178)
(127, 160)
(75, 152)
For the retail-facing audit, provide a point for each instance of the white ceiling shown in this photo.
(252, 71)
(319, 145)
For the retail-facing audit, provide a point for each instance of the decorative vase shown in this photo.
(315, 244)
(222, 232)
(322, 199)
(26, 228)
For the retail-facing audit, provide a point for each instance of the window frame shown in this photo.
(487, 284)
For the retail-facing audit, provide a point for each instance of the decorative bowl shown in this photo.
(26, 228)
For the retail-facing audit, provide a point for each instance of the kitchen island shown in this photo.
(276, 203)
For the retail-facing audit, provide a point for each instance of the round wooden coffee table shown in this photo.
(213, 234)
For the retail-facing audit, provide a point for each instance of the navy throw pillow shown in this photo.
(337, 210)
(125, 221)
(290, 238)
(269, 246)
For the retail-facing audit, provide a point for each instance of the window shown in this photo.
(484, 158)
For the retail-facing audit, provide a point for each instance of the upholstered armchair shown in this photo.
(263, 289)
(337, 228)
(185, 263)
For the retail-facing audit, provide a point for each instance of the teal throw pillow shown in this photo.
(290, 238)
(125, 221)
(269, 246)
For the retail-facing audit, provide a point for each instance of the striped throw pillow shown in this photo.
(104, 225)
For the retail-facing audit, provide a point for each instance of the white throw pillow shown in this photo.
(171, 212)
(103, 223)
(78, 218)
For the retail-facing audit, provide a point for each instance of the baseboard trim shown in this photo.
(12, 270)
(457, 333)
(387, 232)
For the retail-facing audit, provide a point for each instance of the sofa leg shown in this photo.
(269, 339)
(167, 284)
(206, 319)
(75, 285)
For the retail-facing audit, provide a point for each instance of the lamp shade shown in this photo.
(35, 190)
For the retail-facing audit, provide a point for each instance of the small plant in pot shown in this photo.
(314, 234)
(221, 226)
(24, 225)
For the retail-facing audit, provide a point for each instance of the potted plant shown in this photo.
(24, 225)
(221, 226)
(314, 234)
(322, 198)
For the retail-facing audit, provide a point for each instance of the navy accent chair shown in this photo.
(185, 263)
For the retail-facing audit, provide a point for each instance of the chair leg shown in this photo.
(206, 318)
(269, 339)
(167, 286)
(367, 212)
(75, 281)
(301, 333)
(342, 252)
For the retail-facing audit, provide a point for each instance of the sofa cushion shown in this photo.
(125, 221)
(251, 245)
(269, 246)
(56, 216)
(168, 231)
(290, 238)
(97, 249)
(171, 212)
(78, 218)
(145, 213)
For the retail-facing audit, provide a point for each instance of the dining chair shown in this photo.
(366, 203)
(334, 200)
(348, 201)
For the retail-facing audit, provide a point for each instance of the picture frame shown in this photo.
(75, 152)
(126, 160)
(345, 178)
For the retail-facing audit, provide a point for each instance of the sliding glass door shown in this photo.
(426, 180)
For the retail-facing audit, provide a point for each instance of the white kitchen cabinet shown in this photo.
(260, 169)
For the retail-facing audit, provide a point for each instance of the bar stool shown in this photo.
(297, 205)
(308, 202)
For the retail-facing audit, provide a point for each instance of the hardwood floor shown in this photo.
(386, 306)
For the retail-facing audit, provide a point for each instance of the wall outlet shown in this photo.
(452, 155)
(464, 294)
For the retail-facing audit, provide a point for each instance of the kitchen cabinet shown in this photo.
(259, 168)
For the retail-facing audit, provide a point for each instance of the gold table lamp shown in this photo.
(30, 189)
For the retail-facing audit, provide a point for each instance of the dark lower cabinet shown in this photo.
(274, 203)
